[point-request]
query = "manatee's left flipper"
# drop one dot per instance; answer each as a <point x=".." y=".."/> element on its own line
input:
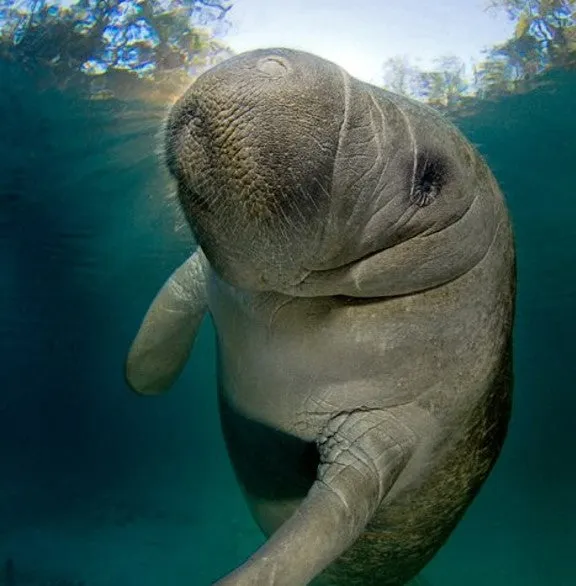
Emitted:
<point x="166" y="336"/>
<point x="362" y="454"/>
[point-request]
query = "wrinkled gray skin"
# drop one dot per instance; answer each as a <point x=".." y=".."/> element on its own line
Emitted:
<point x="357" y="260"/>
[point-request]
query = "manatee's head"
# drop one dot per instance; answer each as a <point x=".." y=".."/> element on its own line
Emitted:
<point x="296" y="177"/>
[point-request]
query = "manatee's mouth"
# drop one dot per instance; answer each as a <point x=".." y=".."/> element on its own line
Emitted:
<point x="322" y="282"/>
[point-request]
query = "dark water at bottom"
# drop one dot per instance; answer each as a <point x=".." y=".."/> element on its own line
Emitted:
<point x="105" y="488"/>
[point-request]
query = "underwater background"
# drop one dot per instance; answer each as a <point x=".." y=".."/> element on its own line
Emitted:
<point x="100" y="487"/>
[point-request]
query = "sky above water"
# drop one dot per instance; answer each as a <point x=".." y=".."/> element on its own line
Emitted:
<point x="361" y="34"/>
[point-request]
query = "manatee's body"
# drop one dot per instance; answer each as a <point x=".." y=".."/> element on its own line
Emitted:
<point x="358" y="263"/>
<point x="289" y="363"/>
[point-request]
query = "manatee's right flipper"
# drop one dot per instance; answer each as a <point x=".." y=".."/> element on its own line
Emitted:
<point x="362" y="453"/>
<point x="166" y="336"/>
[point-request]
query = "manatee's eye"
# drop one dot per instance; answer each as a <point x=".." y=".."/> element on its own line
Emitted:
<point x="429" y="179"/>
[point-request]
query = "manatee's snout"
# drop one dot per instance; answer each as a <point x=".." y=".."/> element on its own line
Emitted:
<point x="252" y="145"/>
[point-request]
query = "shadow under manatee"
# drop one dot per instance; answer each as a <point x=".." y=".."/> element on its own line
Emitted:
<point x="273" y="464"/>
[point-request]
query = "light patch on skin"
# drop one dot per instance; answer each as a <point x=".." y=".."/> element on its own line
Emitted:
<point x="379" y="131"/>
<point x="346" y="117"/>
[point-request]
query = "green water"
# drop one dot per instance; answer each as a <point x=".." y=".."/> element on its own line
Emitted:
<point x="100" y="486"/>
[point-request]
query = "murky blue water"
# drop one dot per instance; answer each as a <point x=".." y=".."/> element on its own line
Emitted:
<point x="102" y="487"/>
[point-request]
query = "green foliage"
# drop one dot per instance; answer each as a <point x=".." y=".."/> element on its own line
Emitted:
<point x="444" y="86"/>
<point x="548" y="22"/>
<point x="400" y="76"/>
<point x="544" y="38"/>
<point x="128" y="48"/>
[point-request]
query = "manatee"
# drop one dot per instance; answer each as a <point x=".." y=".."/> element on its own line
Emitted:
<point x="357" y="260"/>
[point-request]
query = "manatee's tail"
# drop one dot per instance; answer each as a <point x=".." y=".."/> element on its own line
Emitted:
<point x="166" y="336"/>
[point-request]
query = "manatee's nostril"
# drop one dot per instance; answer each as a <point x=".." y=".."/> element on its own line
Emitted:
<point x="273" y="66"/>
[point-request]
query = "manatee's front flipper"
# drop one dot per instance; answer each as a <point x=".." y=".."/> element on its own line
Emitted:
<point x="166" y="336"/>
<point x="361" y="455"/>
